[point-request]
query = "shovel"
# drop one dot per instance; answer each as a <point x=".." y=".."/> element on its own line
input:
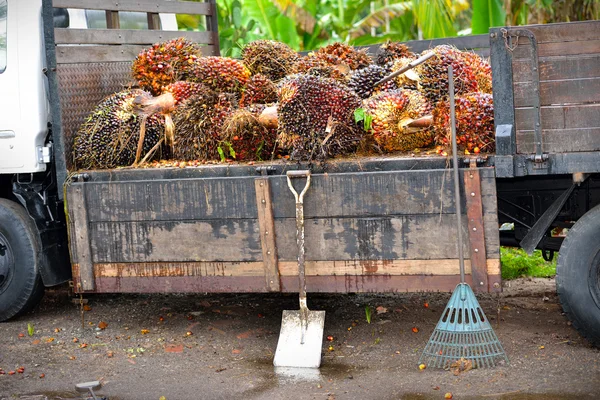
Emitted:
<point x="301" y="336"/>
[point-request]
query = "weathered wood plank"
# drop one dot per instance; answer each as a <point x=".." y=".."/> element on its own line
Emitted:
<point x="288" y="268"/>
<point x="266" y="225"/>
<point x="564" y="31"/>
<point x="79" y="234"/>
<point x="561" y="140"/>
<point x="559" y="68"/>
<point x="333" y="195"/>
<point x="560" y="117"/>
<point x="108" y="53"/>
<point x="489" y="201"/>
<point x="591" y="46"/>
<point x="574" y="91"/>
<point x="153" y="241"/>
<point x="157" y="6"/>
<point x="477" y="253"/>
<point x="126" y="36"/>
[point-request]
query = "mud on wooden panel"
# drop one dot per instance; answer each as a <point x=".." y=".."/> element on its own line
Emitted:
<point x="569" y="73"/>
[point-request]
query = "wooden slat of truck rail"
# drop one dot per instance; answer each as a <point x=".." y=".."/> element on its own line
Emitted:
<point x="125" y="36"/>
<point x="333" y="195"/>
<point x="560" y="117"/>
<point x="575" y="91"/>
<point x="405" y="237"/>
<point x="563" y="32"/>
<point x="93" y="54"/>
<point x="157" y="6"/>
<point x="79" y="234"/>
<point x="561" y="140"/>
<point x="590" y="46"/>
<point x="559" y="67"/>
<point x="290" y="268"/>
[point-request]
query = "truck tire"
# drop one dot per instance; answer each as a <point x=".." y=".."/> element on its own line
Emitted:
<point x="21" y="286"/>
<point x="578" y="275"/>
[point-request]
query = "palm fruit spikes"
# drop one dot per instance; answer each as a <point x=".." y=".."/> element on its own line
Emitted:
<point x="259" y="90"/>
<point x="434" y="73"/>
<point x="409" y="79"/>
<point x="474" y="123"/>
<point x="340" y="53"/>
<point x="244" y="138"/>
<point x="363" y="81"/>
<point x="164" y="63"/>
<point x="221" y="74"/>
<point x="198" y="126"/>
<point x="391" y="51"/>
<point x="318" y="67"/>
<point x="269" y="58"/>
<point x="391" y="113"/>
<point x="109" y="137"/>
<point x="316" y="117"/>
<point x="482" y="69"/>
<point x="183" y="90"/>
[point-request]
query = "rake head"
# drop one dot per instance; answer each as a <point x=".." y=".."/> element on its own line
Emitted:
<point x="463" y="332"/>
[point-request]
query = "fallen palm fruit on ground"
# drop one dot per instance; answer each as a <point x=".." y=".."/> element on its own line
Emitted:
<point x="275" y="101"/>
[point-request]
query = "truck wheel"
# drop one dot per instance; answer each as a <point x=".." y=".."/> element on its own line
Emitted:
<point x="21" y="287"/>
<point x="578" y="275"/>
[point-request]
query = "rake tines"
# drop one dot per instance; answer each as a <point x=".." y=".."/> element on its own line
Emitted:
<point x="463" y="332"/>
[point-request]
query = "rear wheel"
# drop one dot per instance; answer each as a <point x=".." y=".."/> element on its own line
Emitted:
<point x="21" y="287"/>
<point x="578" y="275"/>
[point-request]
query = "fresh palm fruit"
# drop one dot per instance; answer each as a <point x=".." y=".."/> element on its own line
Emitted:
<point x="391" y="112"/>
<point x="409" y="79"/>
<point x="183" y="90"/>
<point x="340" y="53"/>
<point x="269" y="58"/>
<point x="482" y="69"/>
<point x="363" y="81"/>
<point x="259" y="90"/>
<point x="221" y="74"/>
<point x="318" y="67"/>
<point x="198" y="126"/>
<point x="391" y="51"/>
<point x="164" y="63"/>
<point x="109" y="137"/>
<point x="434" y="73"/>
<point x="245" y="138"/>
<point x="316" y="117"/>
<point x="474" y="123"/>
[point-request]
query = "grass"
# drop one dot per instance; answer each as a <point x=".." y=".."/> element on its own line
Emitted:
<point x="517" y="264"/>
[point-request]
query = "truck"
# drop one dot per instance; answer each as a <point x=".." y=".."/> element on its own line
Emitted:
<point x="373" y="224"/>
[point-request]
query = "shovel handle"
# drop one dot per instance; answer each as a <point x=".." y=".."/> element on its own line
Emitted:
<point x="298" y="174"/>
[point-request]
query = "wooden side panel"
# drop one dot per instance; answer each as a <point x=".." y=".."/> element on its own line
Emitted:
<point x="81" y="254"/>
<point x="125" y="36"/>
<point x="159" y="6"/>
<point x="569" y="73"/>
<point x="266" y="224"/>
<point x="119" y="53"/>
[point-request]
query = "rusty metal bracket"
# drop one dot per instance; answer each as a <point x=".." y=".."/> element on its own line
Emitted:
<point x="266" y="224"/>
<point x="472" y="182"/>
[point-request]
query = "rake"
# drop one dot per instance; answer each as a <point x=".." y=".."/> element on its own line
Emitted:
<point x="463" y="332"/>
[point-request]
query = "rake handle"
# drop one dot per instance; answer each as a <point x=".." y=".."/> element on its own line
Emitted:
<point x="461" y="256"/>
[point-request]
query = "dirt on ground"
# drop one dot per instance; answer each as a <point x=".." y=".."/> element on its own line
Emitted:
<point x="222" y="347"/>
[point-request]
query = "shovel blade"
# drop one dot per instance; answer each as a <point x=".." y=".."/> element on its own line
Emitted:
<point x="290" y="351"/>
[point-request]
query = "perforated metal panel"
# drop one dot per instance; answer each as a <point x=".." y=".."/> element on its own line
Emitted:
<point x="82" y="87"/>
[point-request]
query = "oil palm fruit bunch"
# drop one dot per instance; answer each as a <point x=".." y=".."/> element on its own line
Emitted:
<point x="221" y="74"/>
<point x="316" y="117"/>
<point x="198" y="125"/>
<point x="434" y="73"/>
<point x="340" y="53"/>
<point x="482" y="69"/>
<point x="409" y="79"/>
<point x="259" y="90"/>
<point x="318" y="67"/>
<point x="363" y="81"/>
<point x="391" y="113"/>
<point x="474" y="123"/>
<point x="391" y="51"/>
<point x="164" y="63"/>
<point x="183" y="90"/>
<point x="269" y="58"/>
<point x="245" y="138"/>
<point x="109" y="136"/>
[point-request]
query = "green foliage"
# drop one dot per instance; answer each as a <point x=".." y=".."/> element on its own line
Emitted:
<point x="30" y="329"/>
<point x="361" y="115"/>
<point x="487" y="13"/>
<point x="516" y="263"/>
<point x="368" y="313"/>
